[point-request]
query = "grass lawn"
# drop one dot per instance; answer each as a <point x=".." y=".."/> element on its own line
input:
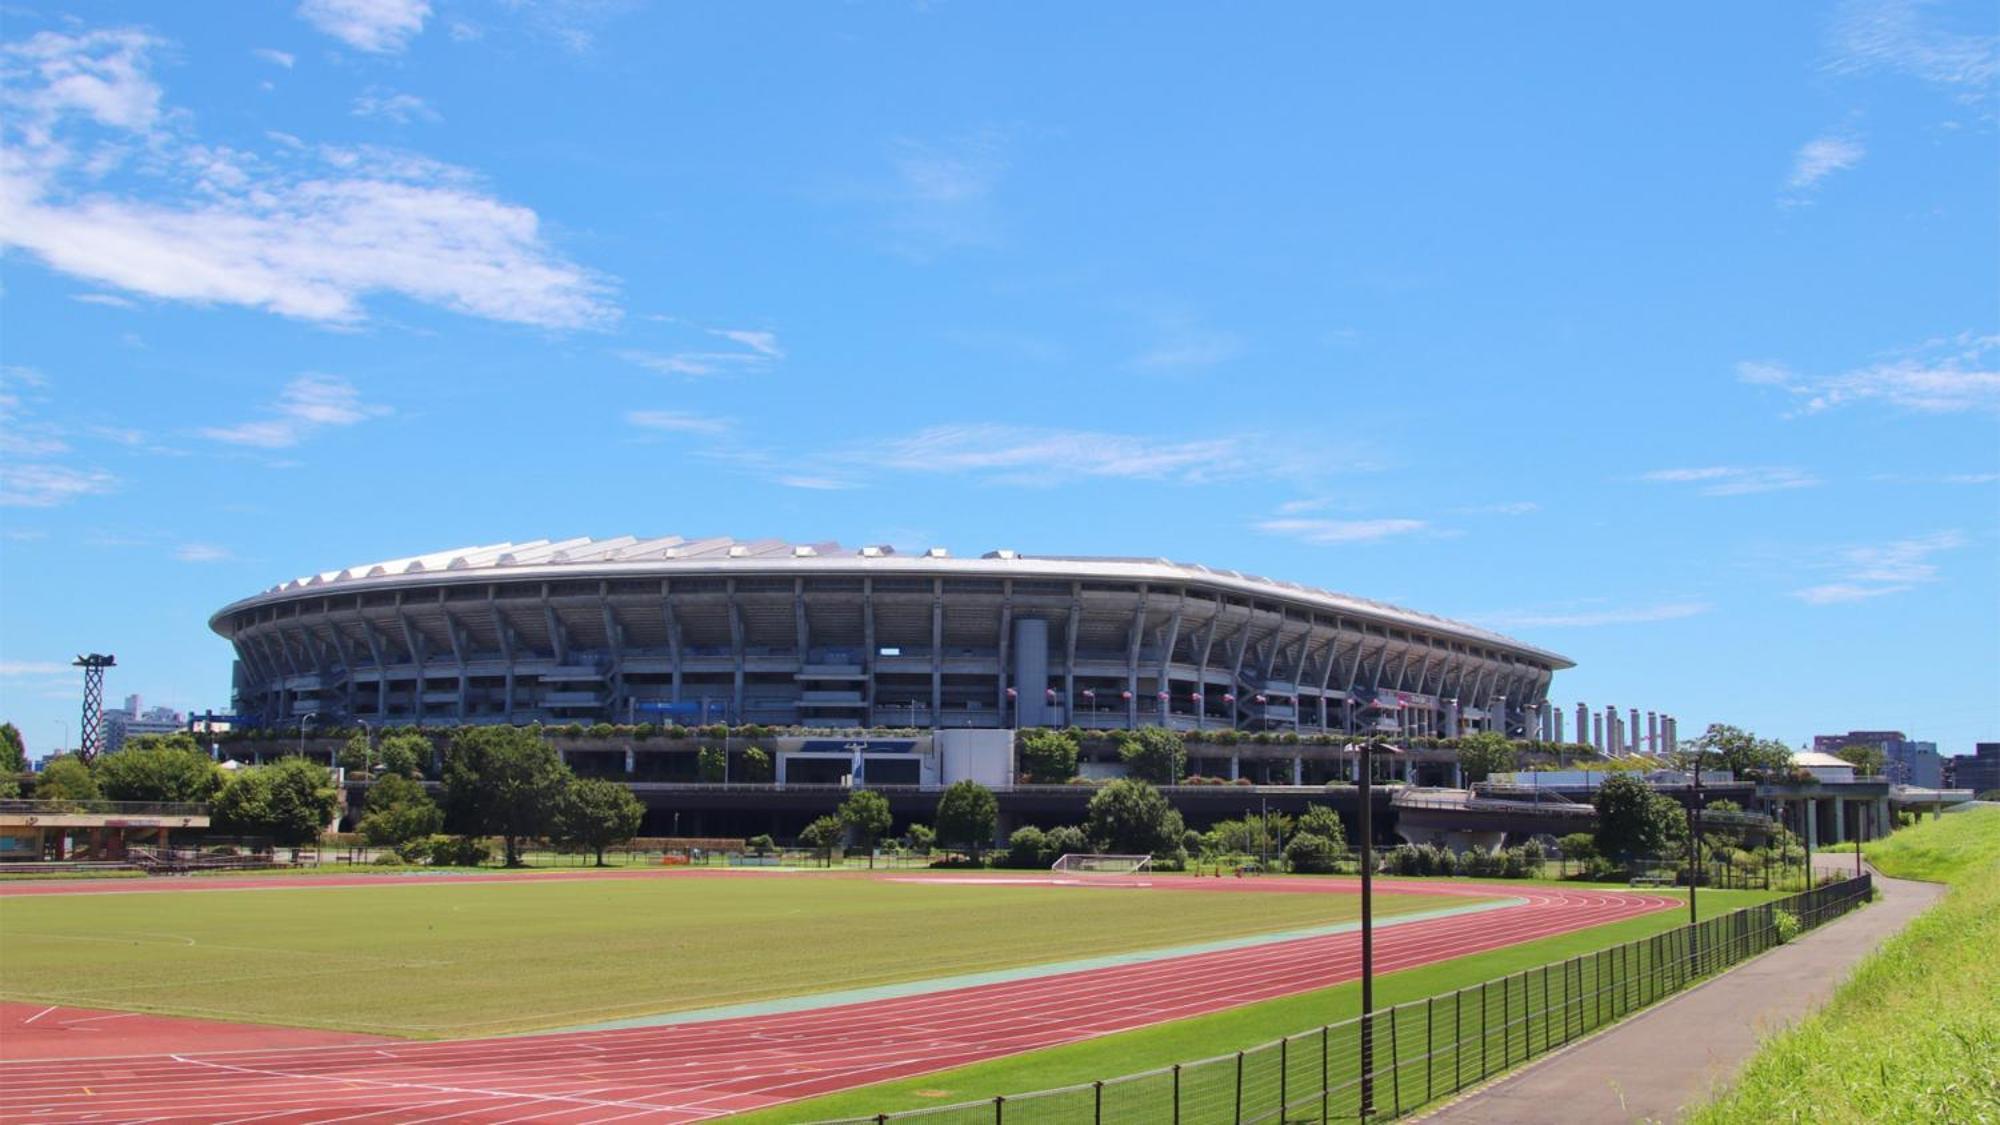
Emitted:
<point x="1223" y="1032"/>
<point x="439" y="959"/>
<point x="1914" y="1034"/>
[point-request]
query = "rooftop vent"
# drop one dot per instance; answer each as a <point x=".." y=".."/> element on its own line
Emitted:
<point x="936" y="553"/>
<point x="804" y="553"/>
<point x="1003" y="553"/>
<point x="877" y="552"/>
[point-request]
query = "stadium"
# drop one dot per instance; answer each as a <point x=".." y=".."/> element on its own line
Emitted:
<point x="672" y="630"/>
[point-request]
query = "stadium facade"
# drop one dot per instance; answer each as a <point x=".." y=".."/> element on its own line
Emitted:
<point x="671" y="630"/>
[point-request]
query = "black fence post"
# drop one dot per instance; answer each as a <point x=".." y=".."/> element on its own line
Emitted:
<point x="999" y="1109"/>
<point x="1483" y="1034"/>
<point x="1325" y="1083"/>
<point x="1097" y="1102"/>
<point x="1284" y="1076"/>
<point x="1506" y="1022"/>
<point x="1457" y="1040"/>
<point x="1430" y="1040"/>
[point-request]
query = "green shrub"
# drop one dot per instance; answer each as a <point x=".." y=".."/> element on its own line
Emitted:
<point x="388" y="859"/>
<point x="1786" y="923"/>
<point x="1026" y="847"/>
<point x="1309" y="853"/>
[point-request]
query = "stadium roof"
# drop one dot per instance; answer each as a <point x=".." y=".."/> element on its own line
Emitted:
<point x="669" y="555"/>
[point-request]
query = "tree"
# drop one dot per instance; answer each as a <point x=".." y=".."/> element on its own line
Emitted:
<point x="1130" y="817"/>
<point x="356" y="755"/>
<point x="1154" y="754"/>
<point x="1322" y="821"/>
<point x="756" y="765"/>
<point x="1048" y="756"/>
<point x="13" y="760"/>
<point x="1484" y="754"/>
<point x="169" y="767"/>
<point x="399" y="811"/>
<point x="502" y="781"/>
<point x="966" y="815"/>
<point x="1738" y="751"/>
<point x="1026" y="847"/>
<point x="594" y="814"/>
<point x="1868" y="761"/>
<point x="867" y="813"/>
<point x="291" y="801"/>
<point x="921" y="838"/>
<point x="1633" y="820"/>
<point x="823" y="835"/>
<point x="13" y="750"/>
<point x="405" y="752"/>
<point x="65" y="778"/>
<point x="1310" y="853"/>
<point x="711" y="764"/>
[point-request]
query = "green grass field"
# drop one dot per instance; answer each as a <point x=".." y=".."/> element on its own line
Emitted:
<point x="1914" y="1034"/>
<point x="1223" y="1032"/>
<point x="435" y="959"/>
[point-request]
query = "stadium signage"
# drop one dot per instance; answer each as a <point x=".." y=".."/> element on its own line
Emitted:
<point x="858" y="745"/>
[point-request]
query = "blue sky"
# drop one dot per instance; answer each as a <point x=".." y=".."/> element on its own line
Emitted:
<point x="1663" y="338"/>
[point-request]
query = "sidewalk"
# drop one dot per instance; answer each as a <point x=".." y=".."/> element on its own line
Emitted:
<point x="1672" y="1056"/>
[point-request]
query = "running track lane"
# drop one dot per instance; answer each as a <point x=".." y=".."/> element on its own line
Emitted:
<point x="690" y="1072"/>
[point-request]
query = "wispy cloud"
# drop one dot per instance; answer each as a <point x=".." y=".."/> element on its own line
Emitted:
<point x="1504" y="508"/>
<point x="376" y="26"/>
<point x="761" y="351"/>
<point x="108" y="300"/>
<point x="1893" y="35"/>
<point x="1590" y="618"/>
<point x="1878" y="569"/>
<point x="1325" y="532"/>
<point x="1952" y="376"/>
<point x="1734" y="480"/>
<point x="307" y="404"/>
<point x="12" y="669"/>
<point x="307" y="234"/>
<point x="202" y="553"/>
<point x="678" y="422"/>
<point x="274" y="56"/>
<point x="47" y="486"/>
<point x="393" y="106"/>
<point x="941" y="196"/>
<point x="1816" y="160"/>
<point x="1030" y="455"/>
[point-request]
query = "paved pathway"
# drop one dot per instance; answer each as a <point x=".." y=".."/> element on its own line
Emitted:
<point x="1671" y="1058"/>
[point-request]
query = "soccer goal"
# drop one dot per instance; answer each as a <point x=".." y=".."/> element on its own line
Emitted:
<point x="1094" y="863"/>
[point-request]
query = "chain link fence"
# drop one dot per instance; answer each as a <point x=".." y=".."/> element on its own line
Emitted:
<point x="1418" y="1052"/>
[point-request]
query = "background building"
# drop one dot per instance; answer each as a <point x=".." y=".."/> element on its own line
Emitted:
<point x="1908" y="762"/>
<point x="1978" y="771"/>
<point x="133" y="720"/>
<point x="678" y="631"/>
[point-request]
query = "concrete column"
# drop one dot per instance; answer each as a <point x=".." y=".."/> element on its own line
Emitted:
<point x="1556" y="723"/>
<point x="631" y="761"/>
<point x="1597" y="732"/>
<point x="1583" y="723"/>
<point x="1235" y="766"/>
<point x="1812" y="822"/>
<point x="1497" y="711"/>
<point x="1840" y="820"/>
<point x="1633" y="733"/>
<point x="1451" y="718"/>
<point x="1298" y="771"/>
<point x="1457" y="776"/>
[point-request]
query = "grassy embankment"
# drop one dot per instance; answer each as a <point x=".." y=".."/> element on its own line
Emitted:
<point x="423" y="957"/>
<point x="1914" y="1033"/>
<point x="1236" y="1029"/>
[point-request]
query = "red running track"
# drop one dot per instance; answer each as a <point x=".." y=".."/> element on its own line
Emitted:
<point x="690" y="1072"/>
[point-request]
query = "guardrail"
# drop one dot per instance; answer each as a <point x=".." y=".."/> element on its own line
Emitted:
<point x="1422" y="1051"/>
<point x="104" y="808"/>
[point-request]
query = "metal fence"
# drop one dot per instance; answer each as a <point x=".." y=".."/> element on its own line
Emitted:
<point x="1421" y="1051"/>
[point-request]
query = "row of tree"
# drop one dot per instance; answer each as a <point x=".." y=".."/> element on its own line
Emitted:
<point x="289" y="802"/>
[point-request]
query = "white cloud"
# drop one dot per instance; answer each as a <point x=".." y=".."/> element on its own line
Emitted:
<point x="1504" y="508"/>
<point x="941" y="196"/>
<point x="1731" y="480"/>
<point x="308" y="403"/>
<point x="108" y="300"/>
<point x="375" y="26"/>
<point x="1890" y="35"/>
<point x="1028" y="455"/>
<point x="1878" y="569"/>
<point x="1325" y="532"/>
<point x="274" y="56"/>
<point x="1970" y="478"/>
<point x="1819" y="158"/>
<point x="16" y="668"/>
<point x="763" y="343"/>
<point x="46" y="486"/>
<point x="816" y="484"/>
<point x="676" y="421"/>
<point x="1954" y="376"/>
<point x="201" y="552"/>
<point x="393" y="106"/>
<point x="1593" y="618"/>
<point x="303" y="238"/>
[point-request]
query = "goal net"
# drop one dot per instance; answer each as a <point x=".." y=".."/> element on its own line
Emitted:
<point x="1095" y="863"/>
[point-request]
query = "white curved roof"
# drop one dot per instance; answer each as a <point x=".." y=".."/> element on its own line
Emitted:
<point x="628" y="555"/>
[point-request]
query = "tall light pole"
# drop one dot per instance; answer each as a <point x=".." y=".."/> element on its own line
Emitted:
<point x="1366" y="752"/>
<point x="1694" y="848"/>
<point x="303" y="720"/>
